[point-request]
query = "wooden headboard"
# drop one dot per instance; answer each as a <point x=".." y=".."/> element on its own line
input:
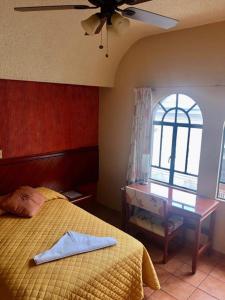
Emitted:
<point x="59" y="170"/>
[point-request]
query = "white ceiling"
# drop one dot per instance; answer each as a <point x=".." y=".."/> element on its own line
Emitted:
<point x="51" y="46"/>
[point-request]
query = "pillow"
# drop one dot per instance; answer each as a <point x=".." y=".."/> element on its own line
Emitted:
<point x="24" y="202"/>
<point x="49" y="194"/>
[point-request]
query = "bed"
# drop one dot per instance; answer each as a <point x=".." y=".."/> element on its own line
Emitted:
<point x="116" y="272"/>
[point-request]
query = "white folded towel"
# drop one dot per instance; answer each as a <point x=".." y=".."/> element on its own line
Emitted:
<point x="72" y="243"/>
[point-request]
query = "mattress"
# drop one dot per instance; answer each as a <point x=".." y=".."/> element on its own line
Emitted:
<point x="116" y="272"/>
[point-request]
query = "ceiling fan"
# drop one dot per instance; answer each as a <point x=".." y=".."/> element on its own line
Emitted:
<point x="110" y="14"/>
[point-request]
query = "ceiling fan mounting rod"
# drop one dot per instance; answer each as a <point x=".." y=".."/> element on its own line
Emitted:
<point x="107" y="9"/>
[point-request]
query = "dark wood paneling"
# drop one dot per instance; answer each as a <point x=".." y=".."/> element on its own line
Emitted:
<point x="59" y="170"/>
<point x="44" y="117"/>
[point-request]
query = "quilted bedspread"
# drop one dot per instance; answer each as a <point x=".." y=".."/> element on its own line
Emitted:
<point x="114" y="273"/>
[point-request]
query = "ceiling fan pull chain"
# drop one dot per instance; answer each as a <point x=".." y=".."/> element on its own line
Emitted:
<point x="101" y="44"/>
<point x="107" y="42"/>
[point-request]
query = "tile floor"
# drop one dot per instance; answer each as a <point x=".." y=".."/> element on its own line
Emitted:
<point x="175" y="278"/>
<point x="177" y="282"/>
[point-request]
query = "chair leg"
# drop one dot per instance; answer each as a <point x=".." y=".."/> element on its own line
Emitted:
<point x="165" y="252"/>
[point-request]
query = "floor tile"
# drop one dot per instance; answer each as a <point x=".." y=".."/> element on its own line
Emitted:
<point x="206" y="263"/>
<point x="163" y="275"/>
<point x="172" y="265"/>
<point x="218" y="272"/>
<point x="148" y="292"/>
<point x="177" y="288"/>
<point x="214" y="287"/>
<point x="200" y="295"/>
<point x="184" y="255"/>
<point x="184" y="273"/>
<point x="161" y="295"/>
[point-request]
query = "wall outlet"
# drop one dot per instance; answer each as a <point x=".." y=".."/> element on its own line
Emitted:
<point x="0" y="154"/>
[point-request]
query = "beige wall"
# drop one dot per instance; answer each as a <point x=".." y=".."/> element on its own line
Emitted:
<point x="192" y="59"/>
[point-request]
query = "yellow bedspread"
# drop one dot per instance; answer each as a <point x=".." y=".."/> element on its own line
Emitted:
<point x="115" y="273"/>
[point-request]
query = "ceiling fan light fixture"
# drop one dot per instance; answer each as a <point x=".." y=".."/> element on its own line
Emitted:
<point x="91" y="24"/>
<point x="120" y="24"/>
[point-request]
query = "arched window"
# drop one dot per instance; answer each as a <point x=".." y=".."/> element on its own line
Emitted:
<point x="176" y="147"/>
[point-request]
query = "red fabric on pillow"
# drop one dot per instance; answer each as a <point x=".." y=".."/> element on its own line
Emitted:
<point x="24" y="202"/>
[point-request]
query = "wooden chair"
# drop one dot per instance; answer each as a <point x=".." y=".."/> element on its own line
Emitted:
<point x="149" y="214"/>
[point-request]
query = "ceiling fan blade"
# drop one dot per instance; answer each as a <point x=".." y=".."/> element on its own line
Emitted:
<point x="99" y="28"/>
<point x="149" y="17"/>
<point x="96" y="2"/>
<point x="135" y="2"/>
<point x="53" y="7"/>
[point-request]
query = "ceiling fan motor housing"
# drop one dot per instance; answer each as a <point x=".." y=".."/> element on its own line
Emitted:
<point x="109" y="7"/>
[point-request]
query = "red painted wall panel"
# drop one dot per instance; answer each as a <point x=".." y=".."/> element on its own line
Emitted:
<point x="44" y="117"/>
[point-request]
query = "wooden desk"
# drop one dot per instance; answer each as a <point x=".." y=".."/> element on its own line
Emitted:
<point x="190" y="206"/>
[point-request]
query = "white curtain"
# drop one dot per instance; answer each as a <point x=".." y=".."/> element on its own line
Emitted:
<point x="139" y="158"/>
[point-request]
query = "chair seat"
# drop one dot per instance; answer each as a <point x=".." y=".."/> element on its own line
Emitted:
<point x="155" y="224"/>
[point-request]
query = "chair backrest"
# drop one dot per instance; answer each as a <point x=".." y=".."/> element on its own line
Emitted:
<point x="153" y="204"/>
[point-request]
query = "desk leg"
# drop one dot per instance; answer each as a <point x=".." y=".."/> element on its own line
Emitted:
<point x="196" y="246"/>
<point x="211" y="231"/>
